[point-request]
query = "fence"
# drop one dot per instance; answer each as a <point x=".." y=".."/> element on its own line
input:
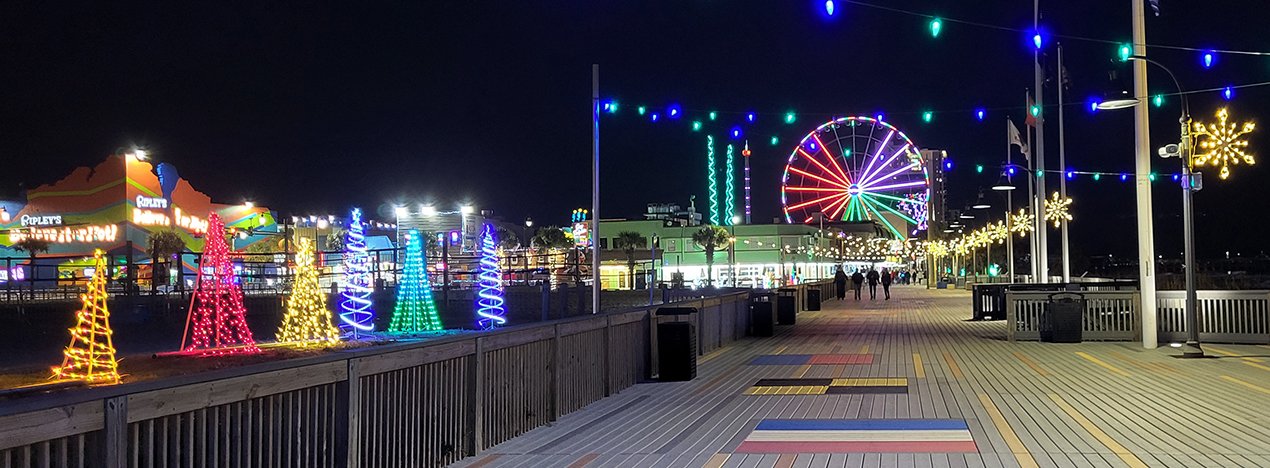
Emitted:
<point x="1224" y="316"/>
<point x="408" y="404"/>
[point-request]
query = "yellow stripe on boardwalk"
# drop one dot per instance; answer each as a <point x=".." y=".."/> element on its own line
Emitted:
<point x="1229" y="353"/>
<point x="802" y="371"/>
<point x="788" y="390"/>
<point x="716" y="461"/>
<point x="1125" y="455"/>
<point x="917" y="366"/>
<point x="952" y="365"/>
<point x="1100" y="362"/>
<point x="1020" y="451"/>
<point x="1246" y="384"/>
<point x="1259" y="366"/>
<point x="1032" y="364"/>
<point x="864" y="349"/>
<point x="870" y="382"/>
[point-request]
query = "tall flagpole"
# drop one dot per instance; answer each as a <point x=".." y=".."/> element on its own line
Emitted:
<point x="1009" y="204"/>
<point x="1031" y="200"/>
<point x="595" y="188"/>
<point x="1062" y="163"/>
<point x="1042" y="240"/>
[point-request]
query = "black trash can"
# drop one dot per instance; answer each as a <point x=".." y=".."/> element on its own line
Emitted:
<point x="762" y="314"/>
<point x="677" y="345"/>
<point x="1062" y="318"/>
<point x="786" y="306"/>
<point x="813" y="299"/>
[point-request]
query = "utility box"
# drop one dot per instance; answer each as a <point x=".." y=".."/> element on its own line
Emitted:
<point x="1062" y="318"/>
<point x="813" y="299"/>
<point x="762" y="314"/>
<point x="677" y="345"/>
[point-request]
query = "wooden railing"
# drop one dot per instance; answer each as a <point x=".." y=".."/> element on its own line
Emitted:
<point x="421" y="403"/>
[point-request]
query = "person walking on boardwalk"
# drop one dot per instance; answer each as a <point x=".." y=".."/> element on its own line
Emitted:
<point x="887" y="278"/>
<point x="873" y="283"/>
<point x="840" y="283"/>
<point x="857" y="280"/>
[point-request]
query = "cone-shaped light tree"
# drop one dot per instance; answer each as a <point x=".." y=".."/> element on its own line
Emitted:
<point x="415" y="311"/>
<point x="307" y="321"/>
<point x="90" y="356"/>
<point x="357" y="317"/>
<point x="489" y="299"/>
<point x="217" y="322"/>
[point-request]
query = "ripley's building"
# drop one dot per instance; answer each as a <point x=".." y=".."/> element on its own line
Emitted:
<point x="114" y="206"/>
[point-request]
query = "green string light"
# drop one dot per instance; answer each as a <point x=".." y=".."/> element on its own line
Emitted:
<point x="696" y="125"/>
<point x="790" y="117"/>
<point x="714" y="115"/>
<point x="979" y="168"/>
<point x="729" y="194"/>
<point x="1036" y="110"/>
<point x="1125" y="52"/>
<point x="1040" y="173"/>
<point x="928" y="116"/>
<point x="775" y="141"/>
<point x="936" y="25"/>
<point x="1097" y="176"/>
<point x="713" y="187"/>
<point x="642" y="110"/>
<point x="1158" y="100"/>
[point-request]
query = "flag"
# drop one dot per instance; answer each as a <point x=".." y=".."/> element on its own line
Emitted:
<point x="1012" y="134"/>
<point x="1031" y="119"/>
<point x="1064" y="78"/>
<point x="1155" y="6"/>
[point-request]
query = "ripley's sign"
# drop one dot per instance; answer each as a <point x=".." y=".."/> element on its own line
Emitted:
<point x="43" y="220"/>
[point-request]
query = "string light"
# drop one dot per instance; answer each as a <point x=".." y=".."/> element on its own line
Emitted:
<point x="829" y="7"/>
<point x="696" y="125"/>
<point x="1158" y="100"/>
<point x="489" y="300"/>
<point x="927" y="116"/>
<point x="713" y="184"/>
<point x="1224" y="144"/>
<point x="1208" y="58"/>
<point x="415" y="311"/>
<point x="980" y="114"/>
<point x="1228" y="93"/>
<point x="775" y="140"/>
<point x="1125" y="51"/>
<point x="790" y="117"/>
<point x="307" y="320"/>
<point x="729" y="192"/>
<point x="936" y="26"/>
<point x="1058" y="210"/>
<point x="641" y="110"/>
<point x="90" y="356"/>
<point x="358" y="315"/>
<point x="218" y="321"/>
<point x="736" y="133"/>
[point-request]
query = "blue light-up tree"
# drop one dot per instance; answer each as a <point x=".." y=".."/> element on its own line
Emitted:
<point x="489" y="299"/>
<point x="416" y="311"/>
<point x="357" y="317"/>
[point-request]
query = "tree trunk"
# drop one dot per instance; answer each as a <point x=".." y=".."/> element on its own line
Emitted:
<point x="709" y="266"/>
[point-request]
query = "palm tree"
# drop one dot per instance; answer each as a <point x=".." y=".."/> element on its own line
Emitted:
<point x="32" y="246"/>
<point x="550" y="237"/>
<point x="628" y="241"/>
<point x="162" y="246"/>
<point x="711" y="237"/>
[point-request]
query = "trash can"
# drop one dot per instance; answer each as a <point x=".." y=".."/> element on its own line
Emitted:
<point x="786" y="306"/>
<point x="762" y="314"/>
<point x="813" y="298"/>
<point x="1062" y="318"/>
<point x="677" y="345"/>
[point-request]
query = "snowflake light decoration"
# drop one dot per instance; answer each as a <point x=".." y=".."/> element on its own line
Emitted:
<point x="1058" y="210"/>
<point x="1224" y="144"/>
<point x="1021" y="223"/>
<point x="914" y="205"/>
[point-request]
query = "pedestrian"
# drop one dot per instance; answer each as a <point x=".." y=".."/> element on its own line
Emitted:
<point x="857" y="280"/>
<point x="873" y="283"/>
<point x="886" y="283"/>
<point x="840" y="283"/>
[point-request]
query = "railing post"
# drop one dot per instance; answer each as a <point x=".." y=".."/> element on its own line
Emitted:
<point x="1137" y="315"/>
<point x="116" y="432"/>
<point x="556" y="360"/>
<point x="608" y="355"/>
<point x="476" y="384"/>
<point x="348" y="441"/>
<point x="1011" y="317"/>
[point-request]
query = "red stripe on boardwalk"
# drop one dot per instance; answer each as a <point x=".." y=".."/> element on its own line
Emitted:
<point x="840" y="359"/>
<point x="485" y="460"/>
<point x="847" y="447"/>
<point x="581" y="462"/>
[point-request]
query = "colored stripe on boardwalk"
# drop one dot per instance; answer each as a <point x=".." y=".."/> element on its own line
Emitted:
<point x="811" y="359"/>
<point x="861" y="425"/>
<point x="1246" y="384"/>
<point x="952" y="366"/>
<point x="1020" y="451"/>
<point x="870" y="447"/>
<point x="716" y="461"/>
<point x="1103" y="364"/>
<point x="917" y="366"/>
<point x="1125" y="455"/>
<point x="581" y="462"/>
<point x="1031" y="364"/>
<point x="859" y="435"/>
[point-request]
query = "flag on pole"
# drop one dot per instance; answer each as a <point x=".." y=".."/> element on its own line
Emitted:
<point x="1155" y="6"/>
<point x="1012" y="134"/>
<point x="1031" y="118"/>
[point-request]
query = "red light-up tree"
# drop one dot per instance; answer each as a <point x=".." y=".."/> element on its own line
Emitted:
<point x="217" y="321"/>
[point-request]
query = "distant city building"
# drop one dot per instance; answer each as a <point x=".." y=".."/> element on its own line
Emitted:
<point x="672" y="213"/>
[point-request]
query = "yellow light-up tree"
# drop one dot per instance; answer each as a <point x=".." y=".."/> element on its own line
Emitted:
<point x="1058" y="210"/>
<point x="1224" y="144"/>
<point x="90" y="356"/>
<point x="308" y="321"/>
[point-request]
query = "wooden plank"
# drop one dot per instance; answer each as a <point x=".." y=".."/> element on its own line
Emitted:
<point x="580" y="326"/>
<point x="116" y="429"/>
<point x="36" y="426"/>
<point x="500" y="340"/>
<point x="386" y="362"/>
<point x="169" y="401"/>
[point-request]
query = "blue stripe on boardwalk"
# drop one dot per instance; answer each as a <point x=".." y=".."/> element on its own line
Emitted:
<point x="859" y="424"/>
<point x="781" y="360"/>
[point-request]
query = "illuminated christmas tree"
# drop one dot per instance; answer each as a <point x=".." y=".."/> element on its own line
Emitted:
<point x="356" y="316"/>
<point x="307" y="321"/>
<point x="415" y="310"/>
<point x="91" y="355"/>
<point x="489" y="300"/>
<point x="217" y="322"/>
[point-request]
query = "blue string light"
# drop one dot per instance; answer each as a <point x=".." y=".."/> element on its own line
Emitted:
<point x="357" y="314"/>
<point x="1228" y="93"/>
<point x="980" y="114"/>
<point x="1208" y="58"/>
<point x="829" y="7"/>
<point x="489" y="299"/>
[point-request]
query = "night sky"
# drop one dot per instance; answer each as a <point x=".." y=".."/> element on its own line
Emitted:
<point x="315" y="109"/>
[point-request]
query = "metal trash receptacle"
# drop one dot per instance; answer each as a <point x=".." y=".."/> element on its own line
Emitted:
<point x="813" y="299"/>
<point x="677" y="345"/>
<point x="762" y="314"/>
<point x="1062" y="318"/>
<point x="786" y="306"/>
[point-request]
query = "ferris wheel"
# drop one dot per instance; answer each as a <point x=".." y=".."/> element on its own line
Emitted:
<point x="856" y="169"/>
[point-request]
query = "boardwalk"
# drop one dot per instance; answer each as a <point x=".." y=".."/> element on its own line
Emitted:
<point x="909" y="382"/>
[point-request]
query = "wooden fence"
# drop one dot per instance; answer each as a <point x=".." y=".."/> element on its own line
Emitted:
<point x="426" y="403"/>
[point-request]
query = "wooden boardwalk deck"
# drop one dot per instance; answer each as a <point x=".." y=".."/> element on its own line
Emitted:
<point x="1024" y="404"/>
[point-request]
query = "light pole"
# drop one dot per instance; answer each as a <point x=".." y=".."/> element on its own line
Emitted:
<point x="732" y="249"/>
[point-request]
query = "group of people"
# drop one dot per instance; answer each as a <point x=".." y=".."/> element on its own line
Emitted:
<point x="859" y="277"/>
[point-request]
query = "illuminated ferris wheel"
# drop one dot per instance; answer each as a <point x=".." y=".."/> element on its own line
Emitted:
<point x="856" y="169"/>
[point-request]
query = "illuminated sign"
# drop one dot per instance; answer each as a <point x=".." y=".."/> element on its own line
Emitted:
<point x="156" y="218"/>
<point x="46" y="220"/>
<point x="151" y="202"/>
<point x="15" y="274"/>
<point x="70" y="234"/>
<point x="581" y="234"/>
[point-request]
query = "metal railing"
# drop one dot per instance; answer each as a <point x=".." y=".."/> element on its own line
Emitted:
<point x="421" y="403"/>
<point x="1224" y="316"/>
<point x="1109" y="315"/>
